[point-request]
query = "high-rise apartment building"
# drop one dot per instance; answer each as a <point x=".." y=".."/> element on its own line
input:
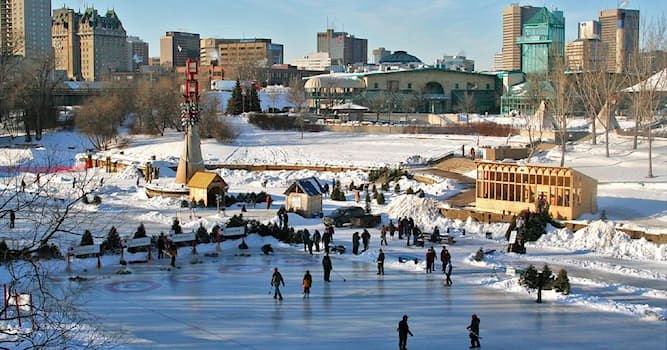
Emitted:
<point x="588" y="52"/>
<point x="379" y="54"/>
<point x="342" y="47"/>
<point x="542" y="41"/>
<point x="620" y="31"/>
<point x="514" y="17"/>
<point x="25" y="27"/>
<point x="137" y="53"/>
<point x="177" y="47"/>
<point x="87" y="45"/>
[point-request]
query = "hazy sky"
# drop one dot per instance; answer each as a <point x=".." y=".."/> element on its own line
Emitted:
<point x="425" y="28"/>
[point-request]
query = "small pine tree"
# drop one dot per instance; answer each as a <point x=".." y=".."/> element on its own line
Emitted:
<point x="87" y="238"/>
<point x="368" y="202"/>
<point x="235" y="103"/>
<point x="374" y="189"/>
<point x="254" y="101"/>
<point x="385" y="187"/>
<point x="380" y="198"/>
<point x="421" y="193"/>
<point x="97" y="200"/>
<point x="397" y="188"/>
<point x="85" y="199"/>
<point x="352" y="185"/>
<point x="529" y="277"/>
<point x="176" y="227"/>
<point x="562" y="282"/>
<point x="479" y="256"/>
<point x="202" y="234"/>
<point x="547" y="275"/>
<point x="112" y="242"/>
<point x="409" y="191"/>
<point x="337" y="194"/>
<point x="141" y="231"/>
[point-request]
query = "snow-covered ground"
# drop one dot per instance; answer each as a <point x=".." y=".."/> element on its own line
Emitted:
<point x="618" y="300"/>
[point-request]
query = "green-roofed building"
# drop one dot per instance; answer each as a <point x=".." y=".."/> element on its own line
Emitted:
<point x="542" y="41"/>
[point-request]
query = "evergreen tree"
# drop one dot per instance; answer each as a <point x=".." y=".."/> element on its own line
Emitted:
<point x="409" y="191"/>
<point x="202" y="234"/>
<point x="141" y="231"/>
<point x="397" y="188"/>
<point x="385" y="187"/>
<point x="547" y="275"/>
<point x="235" y="103"/>
<point x="368" y="202"/>
<point x="176" y="227"/>
<point x="562" y="282"/>
<point x="87" y="238"/>
<point x="374" y="189"/>
<point x="421" y="193"/>
<point x="337" y="194"/>
<point x="112" y="242"/>
<point x="479" y="256"/>
<point x="529" y="277"/>
<point x="352" y="185"/>
<point x="254" y="102"/>
<point x="380" y="198"/>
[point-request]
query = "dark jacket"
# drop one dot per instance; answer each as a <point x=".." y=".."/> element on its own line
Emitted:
<point x="326" y="263"/>
<point x="381" y="258"/>
<point x="474" y="326"/>
<point x="277" y="279"/>
<point x="403" y="328"/>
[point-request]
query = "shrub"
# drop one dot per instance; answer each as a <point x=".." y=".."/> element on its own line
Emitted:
<point x="409" y="191"/>
<point x="337" y="194"/>
<point x="176" y="227"/>
<point x="141" y="231"/>
<point x="479" y="256"/>
<point x="397" y="188"/>
<point x="201" y="204"/>
<point x="97" y="200"/>
<point x="202" y="234"/>
<point x="562" y="282"/>
<point x="184" y="203"/>
<point x="218" y="128"/>
<point x="385" y="173"/>
<point x="112" y="242"/>
<point x="85" y="199"/>
<point x="421" y="193"/>
<point x="385" y="187"/>
<point x="529" y="277"/>
<point x="87" y="238"/>
<point x="380" y="198"/>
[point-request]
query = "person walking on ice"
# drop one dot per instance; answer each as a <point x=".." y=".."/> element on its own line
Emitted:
<point x="327" y="266"/>
<point x="276" y="281"/>
<point x="380" y="261"/>
<point x="474" y="332"/>
<point x="403" y="331"/>
<point x="307" y="282"/>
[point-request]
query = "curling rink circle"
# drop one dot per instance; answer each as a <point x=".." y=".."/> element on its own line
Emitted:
<point x="132" y="286"/>
<point x="189" y="277"/>
<point x="241" y="269"/>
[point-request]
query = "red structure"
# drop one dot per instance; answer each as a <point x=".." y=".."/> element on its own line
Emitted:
<point x="190" y="109"/>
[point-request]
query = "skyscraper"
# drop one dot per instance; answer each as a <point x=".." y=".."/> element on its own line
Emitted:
<point x="588" y="52"/>
<point x="87" y="45"/>
<point x="342" y="47"/>
<point x="514" y="17"/>
<point x="620" y="31"/>
<point x="379" y="54"/>
<point x="25" y="27"/>
<point x="177" y="47"/>
<point x="137" y="53"/>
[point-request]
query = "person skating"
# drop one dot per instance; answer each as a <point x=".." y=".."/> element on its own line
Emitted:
<point x="365" y="238"/>
<point x="316" y="240"/>
<point x="276" y="281"/>
<point x="307" y="282"/>
<point x="380" y="261"/>
<point x="383" y="235"/>
<point x="327" y="266"/>
<point x="173" y="252"/>
<point x="403" y="331"/>
<point x="391" y="229"/>
<point x="269" y="200"/>
<point x="305" y="236"/>
<point x="326" y="239"/>
<point x="474" y="332"/>
<point x="160" y="246"/>
<point x="445" y="258"/>
<point x="430" y="260"/>
<point x="12" y="218"/>
<point x="448" y="274"/>
<point x="355" y="243"/>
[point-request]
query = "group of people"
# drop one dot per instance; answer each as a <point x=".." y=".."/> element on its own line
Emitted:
<point x="166" y="247"/>
<point x="403" y="330"/>
<point x="365" y="238"/>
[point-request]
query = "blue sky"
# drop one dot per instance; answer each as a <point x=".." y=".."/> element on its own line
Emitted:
<point x="425" y="28"/>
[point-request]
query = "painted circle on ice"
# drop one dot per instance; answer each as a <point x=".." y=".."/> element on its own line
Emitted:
<point x="243" y="269"/>
<point x="189" y="277"/>
<point x="294" y="261"/>
<point x="132" y="286"/>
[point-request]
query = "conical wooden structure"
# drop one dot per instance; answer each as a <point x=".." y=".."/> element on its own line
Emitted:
<point x="191" y="160"/>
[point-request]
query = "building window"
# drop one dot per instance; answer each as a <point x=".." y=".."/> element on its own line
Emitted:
<point x="409" y="85"/>
<point x="375" y="85"/>
<point x="456" y="86"/>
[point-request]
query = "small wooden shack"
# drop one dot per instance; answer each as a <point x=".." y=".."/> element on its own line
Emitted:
<point x="205" y="186"/>
<point x="304" y="197"/>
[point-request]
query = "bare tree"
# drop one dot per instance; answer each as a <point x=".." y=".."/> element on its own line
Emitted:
<point x="212" y="123"/>
<point x="296" y="94"/>
<point x="157" y="105"/>
<point x="99" y="119"/>
<point x="40" y="113"/>
<point x="561" y="100"/>
<point x="536" y="92"/>
<point x="466" y="104"/>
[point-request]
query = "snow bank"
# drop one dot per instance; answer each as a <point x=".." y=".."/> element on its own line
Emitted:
<point x="425" y="211"/>
<point x="604" y="239"/>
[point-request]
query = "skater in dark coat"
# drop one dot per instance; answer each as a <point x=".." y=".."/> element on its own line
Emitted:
<point x="380" y="261"/>
<point x="365" y="238"/>
<point x="448" y="274"/>
<point x="173" y="252"/>
<point x="474" y="332"/>
<point x="12" y="218"/>
<point x="326" y="239"/>
<point x="276" y="281"/>
<point x="316" y="240"/>
<point x="355" y="243"/>
<point x="403" y="331"/>
<point x="160" y="246"/>
<point x="326" y="265"/>
<point x="391" y="229"/>
<point x="430" y="260"/>
<point x="445" y="258"/>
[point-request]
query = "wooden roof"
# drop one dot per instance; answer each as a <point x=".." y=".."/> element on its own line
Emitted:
<point x="310" y="186"/>
<point x="203" y="179"/>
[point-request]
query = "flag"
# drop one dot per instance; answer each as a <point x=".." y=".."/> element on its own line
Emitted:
<point x="340" y="38"/>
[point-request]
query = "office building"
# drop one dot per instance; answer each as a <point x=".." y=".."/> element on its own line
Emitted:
<point x="542" y="41"/>
<point x="342" y="47"/>
<point x="235" y="52"/>
<point x="319" y="61"/>
<point x="87" y="45"/>
<point x="379" y="54"/>
<point x="25" y="27"/>
<point x="460" y="63"/>
<point x="620" y="31"/>
<point x="208" y="51"/>
<point x="514" y="17"/>
<point x="177" y="47"/>
<point x="137" y="53"/>
<point x="586" y="55"/>
<point x="589" y="30"/>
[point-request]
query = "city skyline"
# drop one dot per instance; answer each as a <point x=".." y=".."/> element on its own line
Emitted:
<point x="435" y="28"/>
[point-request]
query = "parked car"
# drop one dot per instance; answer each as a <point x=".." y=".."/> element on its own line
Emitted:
<point x="355" y="216"/>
